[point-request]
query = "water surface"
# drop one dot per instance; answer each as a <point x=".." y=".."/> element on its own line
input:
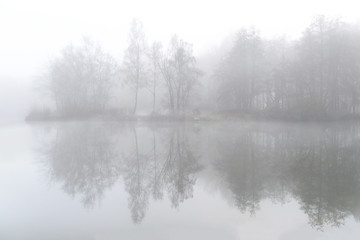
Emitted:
<point x="231" y="180"/>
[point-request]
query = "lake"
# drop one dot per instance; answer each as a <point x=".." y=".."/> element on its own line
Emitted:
<point x="216" y="180"/>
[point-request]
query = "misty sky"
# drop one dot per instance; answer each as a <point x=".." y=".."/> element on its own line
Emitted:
<point x="32" y="32"/>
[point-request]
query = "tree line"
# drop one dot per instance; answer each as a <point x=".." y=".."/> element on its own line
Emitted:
<point x="81" y="81"/>
<point x="316" y="76"/>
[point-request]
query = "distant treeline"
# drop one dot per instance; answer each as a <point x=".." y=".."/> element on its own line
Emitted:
<point x="314" y="77"/>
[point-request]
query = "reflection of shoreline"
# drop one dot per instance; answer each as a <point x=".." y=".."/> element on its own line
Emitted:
<point x="87" y="159"/>
<point x="83" y="158"/>
<point x="317" y="167"/>
<point x="170" y="167"/>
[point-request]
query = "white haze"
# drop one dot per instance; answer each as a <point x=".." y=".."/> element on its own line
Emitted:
<point x="33" y="32"/>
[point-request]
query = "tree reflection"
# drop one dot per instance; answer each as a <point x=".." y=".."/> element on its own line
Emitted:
<point x="321" y="169"/>
<point x="327" y="178"/>
<point x="82" y="157"/>
<point x="180" y="168"/>
<point x="171" y="168"/>
<point x="241" y="169"/>
<point x="136" y="178"/>
<point x="88" y="158"/>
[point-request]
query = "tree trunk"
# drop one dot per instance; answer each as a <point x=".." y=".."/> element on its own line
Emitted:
<point x="136" y="98"/>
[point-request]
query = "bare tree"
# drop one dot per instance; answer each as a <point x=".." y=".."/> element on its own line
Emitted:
<point x="154" y="55"/>
<point x="134" y="65"/>
<point x="80" y="80"/>
<point x="180" y="74"/>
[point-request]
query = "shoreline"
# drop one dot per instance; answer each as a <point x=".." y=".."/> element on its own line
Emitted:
<point x="198" y="118"/>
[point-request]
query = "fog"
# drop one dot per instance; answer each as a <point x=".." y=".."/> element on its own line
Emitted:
<point x="179" y="119"/>
<point x="33" y="33"/>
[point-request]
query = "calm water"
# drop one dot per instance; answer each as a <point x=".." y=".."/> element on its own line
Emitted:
<point x="91" y="180"/>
